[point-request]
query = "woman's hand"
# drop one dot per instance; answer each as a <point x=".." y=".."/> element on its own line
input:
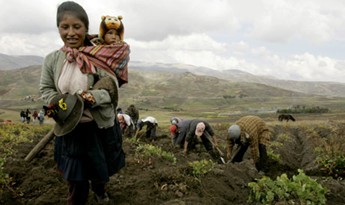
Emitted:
<point x="87" y="97"/>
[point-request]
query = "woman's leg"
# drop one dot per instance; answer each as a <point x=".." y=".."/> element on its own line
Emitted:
<point x="99" y="189"/>
<point x="77" y="192"/>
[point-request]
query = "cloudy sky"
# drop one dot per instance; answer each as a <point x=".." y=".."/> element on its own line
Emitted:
<point x="287" y="39"/>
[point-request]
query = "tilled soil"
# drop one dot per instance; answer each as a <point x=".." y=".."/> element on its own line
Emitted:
<point x="157" y="181"/>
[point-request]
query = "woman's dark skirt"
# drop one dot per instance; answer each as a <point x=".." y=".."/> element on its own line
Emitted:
<point x="90" y="153"/>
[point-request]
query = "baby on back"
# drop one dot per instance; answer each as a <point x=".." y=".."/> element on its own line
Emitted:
<point x="111" y="31"/>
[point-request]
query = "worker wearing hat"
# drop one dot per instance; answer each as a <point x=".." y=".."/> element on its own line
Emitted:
<point x="249" y="131"/>
<point x="174" y="128"/>
<point x="201" y="132"/>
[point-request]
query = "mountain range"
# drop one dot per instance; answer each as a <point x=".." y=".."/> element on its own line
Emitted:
<point x="334" y="89"/>
<point x="20" y="77"/>
<point x="8" y="62"/>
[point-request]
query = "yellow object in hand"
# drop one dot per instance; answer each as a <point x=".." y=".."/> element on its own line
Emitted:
<point x="62" y="104"/>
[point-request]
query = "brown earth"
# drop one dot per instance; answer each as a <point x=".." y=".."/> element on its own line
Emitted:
<point x="157" y="181"/>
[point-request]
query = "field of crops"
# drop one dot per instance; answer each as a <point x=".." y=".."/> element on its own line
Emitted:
<point x="307" y="167"/>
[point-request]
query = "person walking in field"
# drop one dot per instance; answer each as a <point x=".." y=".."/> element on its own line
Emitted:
<point x="22" y="116"/>
<point x="34" y="116"/>
<point x="81" y="92"/>
<point x="249" y="131"/>
<point x="27" y="116"/>
<point x="41" y="117"/>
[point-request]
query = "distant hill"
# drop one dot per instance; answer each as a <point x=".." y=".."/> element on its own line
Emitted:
<point x="314" y="88"/>
<point x="171" y="77"/>
<point x="25" y="81"/>
<point x="175" y="88"/>
<point x="8" y="62"/>
<point x="311" y="88"/>
<point x="187" y="84"/>
<point x="19" y="83"/>
<point x="175" y="82"/>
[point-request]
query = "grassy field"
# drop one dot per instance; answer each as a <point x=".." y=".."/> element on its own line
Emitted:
<point x="215" y="109"/>
<point x="213" y="115"/>
<point x="222" y="110"/>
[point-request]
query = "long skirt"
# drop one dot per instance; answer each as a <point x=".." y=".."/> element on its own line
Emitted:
<point x="90" y="153"/>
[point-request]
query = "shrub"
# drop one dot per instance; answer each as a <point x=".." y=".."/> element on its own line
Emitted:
<point x="301" y="189"/>
<point x="304" y="109"/>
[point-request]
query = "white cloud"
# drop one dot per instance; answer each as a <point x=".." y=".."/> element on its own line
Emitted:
<point x="310" y="67"/>
<point x="218" y="56"/>
<point x="289" y="39"/>
<point x="30" y="44"/>
<point x="283" y="20"/>
<point x="195" y="49"/>
<point x="33" y="17"/>
<point x="149" y="20"/>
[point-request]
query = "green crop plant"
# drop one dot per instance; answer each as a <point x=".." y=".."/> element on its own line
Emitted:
<point x="282" y="137"/>
<point x="271" y="154"/>
<point x="272" y="149"/>
<point x="131" y="140"/>
<point x="300" y="189"/>
<point x="202" y="167"/>
<point x="4" y="178"/>
<point x="331" y="156"/>
<point x="332" y="165"/>
<point x="12" y="135"/>
<point x="147" y="150"/>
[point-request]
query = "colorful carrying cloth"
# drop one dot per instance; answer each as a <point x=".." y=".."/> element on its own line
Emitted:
<point x="111" y="58"/>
